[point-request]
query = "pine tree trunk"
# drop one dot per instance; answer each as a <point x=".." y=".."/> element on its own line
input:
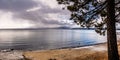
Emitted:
<point x="111" y="31"/>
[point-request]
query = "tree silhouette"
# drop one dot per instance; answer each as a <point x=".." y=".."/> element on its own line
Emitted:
<point x="100" y="14"/>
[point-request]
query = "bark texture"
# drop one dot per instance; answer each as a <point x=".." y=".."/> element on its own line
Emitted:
<point x="111" y="31"/>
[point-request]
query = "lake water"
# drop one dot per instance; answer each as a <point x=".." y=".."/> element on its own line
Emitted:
<point x="48" y="38"/>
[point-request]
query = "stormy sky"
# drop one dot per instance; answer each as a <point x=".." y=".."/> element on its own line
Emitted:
<point x="33" y="14"/>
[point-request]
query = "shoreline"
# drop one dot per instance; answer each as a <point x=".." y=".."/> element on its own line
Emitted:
<point x="81" y="46"/>
<point x="11" y="54"/>
<point x="86" y="50"/>
<point x="11" y="49"/>
<point x="91" y="52"/>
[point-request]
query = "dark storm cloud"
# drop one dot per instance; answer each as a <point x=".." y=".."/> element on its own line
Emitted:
<point x="41" y="15"/>
<point x="16" y="5"/>
<point x="19" y="9"/>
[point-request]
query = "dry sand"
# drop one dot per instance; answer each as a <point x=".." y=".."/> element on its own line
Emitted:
<point x="96" y="52"/>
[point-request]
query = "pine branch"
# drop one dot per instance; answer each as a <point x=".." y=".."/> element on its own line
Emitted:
<point x="97" y="12"/>
<point x="97" y="8"/>
<point x="117" y="3"/>
<point x="81" y="5"/>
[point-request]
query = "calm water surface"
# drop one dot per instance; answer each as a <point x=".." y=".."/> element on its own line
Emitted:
<point x="47" y="38"/>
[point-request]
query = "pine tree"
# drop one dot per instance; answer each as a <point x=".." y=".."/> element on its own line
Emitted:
<point x="100" y="14"/>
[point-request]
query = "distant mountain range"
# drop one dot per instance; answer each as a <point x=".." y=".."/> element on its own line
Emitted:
<point x="75" y="28"/>
<point x="49" y="28"/>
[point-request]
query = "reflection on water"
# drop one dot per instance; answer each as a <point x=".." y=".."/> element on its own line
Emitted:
<point x="47" y="39"/>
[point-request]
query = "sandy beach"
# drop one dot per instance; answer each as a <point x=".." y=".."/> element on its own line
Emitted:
<point x="96" y="52"/>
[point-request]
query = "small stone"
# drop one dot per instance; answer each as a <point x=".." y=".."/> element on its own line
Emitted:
<point x="52" y="59"/>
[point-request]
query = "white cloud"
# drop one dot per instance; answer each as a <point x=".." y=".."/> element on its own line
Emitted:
<point x="33" y="9"/>
<point x="40" y="14"/>
<point x="7" y="21"/>
<point x="50" y="3"/>
<point x="54" y="16"/>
